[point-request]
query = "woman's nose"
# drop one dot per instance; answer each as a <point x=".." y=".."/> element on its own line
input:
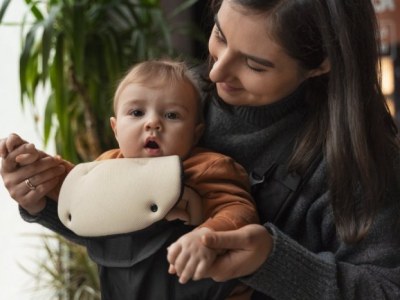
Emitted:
<point x="223" y="67"/>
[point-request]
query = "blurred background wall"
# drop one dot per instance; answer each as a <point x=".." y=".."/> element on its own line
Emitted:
<point x="18" y="244"/>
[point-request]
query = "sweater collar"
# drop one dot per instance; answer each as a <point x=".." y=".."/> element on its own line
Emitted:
<point x="268" y="114"/>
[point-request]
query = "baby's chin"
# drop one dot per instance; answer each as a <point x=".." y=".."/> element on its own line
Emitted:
<point x="143" y="153"/>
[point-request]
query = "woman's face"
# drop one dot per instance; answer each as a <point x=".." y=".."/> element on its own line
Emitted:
<point x="250" y="68"/>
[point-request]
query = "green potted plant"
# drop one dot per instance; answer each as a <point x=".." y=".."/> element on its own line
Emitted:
<point x="80" y="49"/>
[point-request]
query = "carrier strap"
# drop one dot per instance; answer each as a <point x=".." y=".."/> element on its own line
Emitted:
<point x="289" y="187"/>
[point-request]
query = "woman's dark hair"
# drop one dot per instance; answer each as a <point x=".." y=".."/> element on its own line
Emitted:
<point x="348" y="119"/>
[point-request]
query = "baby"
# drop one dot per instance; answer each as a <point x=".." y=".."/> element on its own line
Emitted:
<point x="158" y="112"/>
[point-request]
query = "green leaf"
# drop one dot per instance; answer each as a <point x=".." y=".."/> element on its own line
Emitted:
<point x="111" y="54"/>
<point x="33" y="75"/>
<point x="150" y="3"/>
<point x="48" y="119"/>
<point x="25" y="60"/>
<point x="78" y="40"/>
<point x="47" y="36"/>
<point x="3" y="8"/>
<point x="58" y="84"/>
<point x="160" y="23"/>
<point x="182" y="7"/>
<point x="35" y="11"/>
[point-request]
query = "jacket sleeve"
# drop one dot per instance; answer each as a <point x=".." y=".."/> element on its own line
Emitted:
<point x="311" y="262"/>
<point x="224" y="188"/>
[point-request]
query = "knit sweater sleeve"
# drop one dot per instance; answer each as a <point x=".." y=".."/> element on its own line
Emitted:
<point x="48" y="218"/>
<point x="311" y="261"/>
<point x="224" y="189"/>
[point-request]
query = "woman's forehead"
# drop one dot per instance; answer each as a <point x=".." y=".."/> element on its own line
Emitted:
<point x="245" y="31"/>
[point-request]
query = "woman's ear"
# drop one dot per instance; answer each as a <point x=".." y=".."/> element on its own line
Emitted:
<point x="323" y="68"/>
<point x="113" y="123"/>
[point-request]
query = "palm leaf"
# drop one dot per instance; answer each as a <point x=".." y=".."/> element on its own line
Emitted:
<point x="182" y="7"/>
<point x="3" y="8"/>
<point x="48" y="29"/>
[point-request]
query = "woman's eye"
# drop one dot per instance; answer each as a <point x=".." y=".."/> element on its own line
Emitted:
<point x="218" y="35"/>
<point x="171" y="115"/>
<point x="137" y="113"/>
<point x="258" y="70"/>
<point x="255" y="67"/>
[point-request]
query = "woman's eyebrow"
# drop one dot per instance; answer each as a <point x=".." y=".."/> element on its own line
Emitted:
<point x="259" y="60"/>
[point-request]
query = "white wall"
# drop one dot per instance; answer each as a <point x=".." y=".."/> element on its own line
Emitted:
<point x="17" y="245"/>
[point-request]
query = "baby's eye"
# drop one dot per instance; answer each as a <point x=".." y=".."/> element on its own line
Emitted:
<point x="137" y="113"/>
<point x="172" y="115"/>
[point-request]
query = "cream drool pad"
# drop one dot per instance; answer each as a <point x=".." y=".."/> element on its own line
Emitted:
<point x="119" y="196"/>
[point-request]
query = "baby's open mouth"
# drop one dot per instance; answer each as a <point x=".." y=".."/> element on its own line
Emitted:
<point x="152" y="145"/>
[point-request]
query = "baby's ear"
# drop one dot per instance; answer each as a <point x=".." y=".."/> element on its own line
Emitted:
<point x="198" y="132"/>
<point x="113" y="123"/>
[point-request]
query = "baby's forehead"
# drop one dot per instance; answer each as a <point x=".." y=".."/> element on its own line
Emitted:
<point x="161" y="82"/>
<point x="170" y="81"/>
<point x="180" y="93"/>
<point x="163" y="86"/>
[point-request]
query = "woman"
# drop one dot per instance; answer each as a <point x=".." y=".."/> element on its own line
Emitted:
<point x="293" y="79"/>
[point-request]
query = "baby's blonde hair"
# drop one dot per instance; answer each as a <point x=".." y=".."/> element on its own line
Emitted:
<point x="154" y="73"/>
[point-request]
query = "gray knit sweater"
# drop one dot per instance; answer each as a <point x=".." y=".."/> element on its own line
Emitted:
<point x="308" y="261"/>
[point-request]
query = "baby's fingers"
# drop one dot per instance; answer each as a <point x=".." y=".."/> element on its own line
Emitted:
<point x="13" y="141"/>
<point x="171" y="269"/>
<point x="173" y="253"/>
<point x="10" y="143"/>
<point x="201" y="270"/>
<point x="188" y="270"/>
<point x="31" y="155"/>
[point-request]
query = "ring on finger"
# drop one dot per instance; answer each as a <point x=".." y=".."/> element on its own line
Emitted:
<point x="30" y="185"/>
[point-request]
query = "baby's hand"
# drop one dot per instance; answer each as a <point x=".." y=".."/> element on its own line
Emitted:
<point x="13" y="141"/>
<point x="30" y="156"/>
<point x="189" y="258"/>
<point x="9" y="144"/>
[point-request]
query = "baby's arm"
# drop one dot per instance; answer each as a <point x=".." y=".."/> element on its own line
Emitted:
<point x="226" y="205"/>
<point x="189" y="258"/>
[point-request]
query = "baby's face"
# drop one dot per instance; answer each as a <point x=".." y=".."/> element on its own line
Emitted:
<point x="156" y="121"/>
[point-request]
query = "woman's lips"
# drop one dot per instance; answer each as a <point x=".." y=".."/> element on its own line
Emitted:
<point x="228" y="88"/>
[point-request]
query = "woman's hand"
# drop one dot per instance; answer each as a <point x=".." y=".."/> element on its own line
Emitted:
<point x="247" y="248"/>
<point x="30" y="183"/>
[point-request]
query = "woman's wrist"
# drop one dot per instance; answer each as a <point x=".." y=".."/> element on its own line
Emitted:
<point x="37" y="208"/>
